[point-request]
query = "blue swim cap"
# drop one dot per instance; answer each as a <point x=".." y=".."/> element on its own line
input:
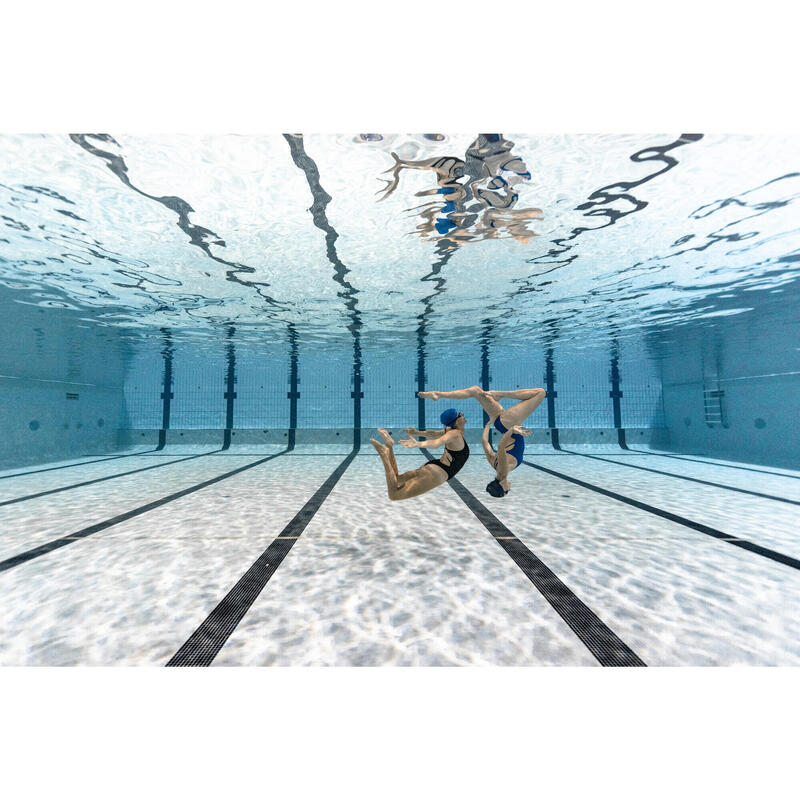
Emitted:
<point x="495" y="489"/>
<point x="448" y="417"/>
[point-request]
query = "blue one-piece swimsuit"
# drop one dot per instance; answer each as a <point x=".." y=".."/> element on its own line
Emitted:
<point x="519" y="442"/>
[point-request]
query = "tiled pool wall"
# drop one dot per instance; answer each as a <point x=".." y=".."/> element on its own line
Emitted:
<point x="61" y="385"/>
<point x="68" y="388"/>
<point x="318" y="393"/>
<point x="753" y="359"/>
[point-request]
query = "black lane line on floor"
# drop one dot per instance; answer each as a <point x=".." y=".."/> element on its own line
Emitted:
<point x="713" y="463"/>
<point x="687" y="478"/>
<point x="100" y="480"/>
<point x="56" y="544"/>
<point x="601" y="641"/>
<point x="745" y="544"/>
<point x="201" y="648"/>
<point x="67" y="466"/>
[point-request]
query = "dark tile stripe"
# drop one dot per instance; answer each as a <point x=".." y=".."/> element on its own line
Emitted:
<point x="230" y="388"/>
<point x="687" y="478"/>
<point x="67" y="466"/>
<point x="293" y="393"/>
<point x="616" y="394"/>
<point x="167" y="395"/>
<point x="485" y="376"/>
<point x="55" y="544"/>
<point x="712" y="463"/>
<point x="550" y="388"/>
<point x="745" y="544"/>
<point x="98" y="480"/>
<point x="603" y="643"/>
<point x="201" y="648"/>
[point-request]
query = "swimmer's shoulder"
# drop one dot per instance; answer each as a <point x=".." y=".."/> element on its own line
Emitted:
<point x="454" y="437"/>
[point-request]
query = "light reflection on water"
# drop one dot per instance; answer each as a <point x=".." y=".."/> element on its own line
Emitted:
<point x="579" y="236"/>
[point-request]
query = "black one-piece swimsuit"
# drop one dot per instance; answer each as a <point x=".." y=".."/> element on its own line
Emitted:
<point x="458" y="459"/>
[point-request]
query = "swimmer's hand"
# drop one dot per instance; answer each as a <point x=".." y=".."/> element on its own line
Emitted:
<point x="411" y="431"/>
<point x="409" y="443"/>
<point x="520" y="430"/>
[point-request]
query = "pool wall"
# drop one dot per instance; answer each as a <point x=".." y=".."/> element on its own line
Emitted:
<point x="753" y="360"/>
<point x="592" y="394"/>
<point x="61" y="385"/>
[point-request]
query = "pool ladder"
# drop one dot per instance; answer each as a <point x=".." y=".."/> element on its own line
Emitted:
<point x="713" y="406"/>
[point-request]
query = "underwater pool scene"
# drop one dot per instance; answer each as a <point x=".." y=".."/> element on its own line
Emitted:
<point x="203" y="336"/>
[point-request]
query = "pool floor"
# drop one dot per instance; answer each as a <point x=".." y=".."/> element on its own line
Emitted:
<point x="259" y="556"/>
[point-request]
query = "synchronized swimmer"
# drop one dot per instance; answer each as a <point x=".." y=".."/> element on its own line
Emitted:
<point x="510" y="448"/>
<point x="418" y="481"/>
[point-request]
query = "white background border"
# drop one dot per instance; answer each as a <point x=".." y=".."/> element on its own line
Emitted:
<point x="411" y="733"/>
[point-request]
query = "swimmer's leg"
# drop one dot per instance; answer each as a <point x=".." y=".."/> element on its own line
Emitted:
<point x="390" y="467"/>
<point x="412" y="483"/>
<point x="419" y="481"/>
<point x="390" y="449"/>
<point x="514" y="394"/>
<point x="458" y="394"/>
<point x="488" y="403"/>
<point x="529" y="402"/>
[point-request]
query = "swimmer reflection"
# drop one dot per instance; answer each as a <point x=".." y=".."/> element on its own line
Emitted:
<point x="480" y="207"/>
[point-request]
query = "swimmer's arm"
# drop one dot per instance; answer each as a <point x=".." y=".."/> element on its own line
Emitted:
<point x="438" y="442"/>
<point x="415" y="432"/>
<point x="487" y="448"/>
<point x="502" y="460"/>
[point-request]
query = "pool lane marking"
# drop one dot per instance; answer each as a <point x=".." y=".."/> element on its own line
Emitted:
<point x="63" y="541"/>
<point x="99" y="480"/>
<point x="688" y="478"/>
<point x="713" y="463"/>
<point x="79" y="464"/>
<point x="601" y="641"/>
<point x="745" y="544"/>
<point x="201" y="648"/>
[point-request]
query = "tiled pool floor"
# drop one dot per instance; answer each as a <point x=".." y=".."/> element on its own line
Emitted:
<point x="687" y="562"/>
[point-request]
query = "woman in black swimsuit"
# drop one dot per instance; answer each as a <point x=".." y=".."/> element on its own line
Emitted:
<point x="418" y="481"/>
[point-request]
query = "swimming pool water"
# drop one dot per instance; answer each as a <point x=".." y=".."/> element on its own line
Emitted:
<point x="201" y="333"/>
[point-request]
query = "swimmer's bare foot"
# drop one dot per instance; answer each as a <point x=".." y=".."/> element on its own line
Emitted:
<point x="428" y="395"/>
<point x="386" y="438"/>
<point x="378" y="446"/>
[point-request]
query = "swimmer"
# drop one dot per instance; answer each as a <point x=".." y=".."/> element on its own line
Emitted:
<point x="507" y="420"/>
<point x="418" y="481"/>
